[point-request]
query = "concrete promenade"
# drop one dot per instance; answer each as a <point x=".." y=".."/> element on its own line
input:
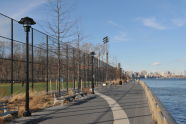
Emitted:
<point x="131" y="97"/>
<point x="112" y="104"/>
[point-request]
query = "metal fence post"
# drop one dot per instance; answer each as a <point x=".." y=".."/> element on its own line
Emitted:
<point x="79" y="76"/>
<point x="47" y="64"/>
<point x="74" y="77"/>
<point x="88" y="70"/>
<point x="59" y="67"/>
<point x="67" y="67"/>
<point x="12" y="57"/>
<point x="84" y="75"/>
<point x="97" y="72"/>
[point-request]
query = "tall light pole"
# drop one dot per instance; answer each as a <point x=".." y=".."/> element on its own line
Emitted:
<point x="105" y="41"/>
<point x="92" y="74"/>
<point x="27" y="22"/>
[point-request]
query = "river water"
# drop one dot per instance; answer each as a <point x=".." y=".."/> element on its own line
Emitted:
<point x="172" y="94"/>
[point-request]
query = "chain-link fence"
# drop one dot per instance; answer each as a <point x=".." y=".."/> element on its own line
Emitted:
<point x="51" y="67"/>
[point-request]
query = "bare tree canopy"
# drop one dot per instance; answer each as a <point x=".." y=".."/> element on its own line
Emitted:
<point x="60" y="24"/>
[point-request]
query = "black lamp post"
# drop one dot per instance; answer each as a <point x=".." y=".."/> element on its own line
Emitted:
<point x="92" y="59"/>
<point x="27" y="22"/>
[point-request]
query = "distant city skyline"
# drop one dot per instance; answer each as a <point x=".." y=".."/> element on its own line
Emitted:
<point x="144" y="35"/>
<point x="184" y="72"/>
<point x="162" y="73"/>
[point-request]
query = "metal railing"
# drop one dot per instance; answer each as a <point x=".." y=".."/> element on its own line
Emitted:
<point x="43" y="59"/>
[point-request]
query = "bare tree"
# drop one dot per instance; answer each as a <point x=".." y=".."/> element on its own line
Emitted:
<point x="60" y="26"/>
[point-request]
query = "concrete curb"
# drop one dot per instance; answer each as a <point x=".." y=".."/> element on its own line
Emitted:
<point x="159" y="113"/>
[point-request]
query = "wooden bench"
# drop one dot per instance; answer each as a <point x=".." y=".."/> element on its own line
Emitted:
<point x="13" y="113"/>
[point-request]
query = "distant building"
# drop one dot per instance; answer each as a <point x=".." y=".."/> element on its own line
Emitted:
<point x="184" y="72"/>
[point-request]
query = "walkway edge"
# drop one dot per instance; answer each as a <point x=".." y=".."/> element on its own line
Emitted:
<point x="119" y="115"/>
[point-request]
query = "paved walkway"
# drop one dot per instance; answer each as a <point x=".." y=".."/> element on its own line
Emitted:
<point x="92" y="110"/>
<point x="130" y="99"/>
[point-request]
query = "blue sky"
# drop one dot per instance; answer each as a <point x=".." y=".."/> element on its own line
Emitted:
<point x="144" y="34"/>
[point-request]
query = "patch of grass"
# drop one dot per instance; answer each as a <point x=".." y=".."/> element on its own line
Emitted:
<point x="38" y="100"/>
<point x="4" y="90"/>
<point x="38" y="86"/>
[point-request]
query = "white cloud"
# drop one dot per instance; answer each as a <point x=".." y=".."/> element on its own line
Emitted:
<point x="155" y="64"/>
<point x="179" y="22"/>
<point x="120" y="37"/>
<point x="152" y="23"/>
<point x="183" y="60"/>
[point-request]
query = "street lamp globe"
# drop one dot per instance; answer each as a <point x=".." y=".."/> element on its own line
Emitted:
<point x="27" y="22"/>
<point x="92" y="53"/>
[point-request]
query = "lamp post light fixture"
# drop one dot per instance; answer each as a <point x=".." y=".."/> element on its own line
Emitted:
<point x="92" y="59"/>
<point x="105" y="40"/>
<point x="27" y="22"/>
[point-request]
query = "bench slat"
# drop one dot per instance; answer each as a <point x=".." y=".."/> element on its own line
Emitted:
<point x="9" y="112"/>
